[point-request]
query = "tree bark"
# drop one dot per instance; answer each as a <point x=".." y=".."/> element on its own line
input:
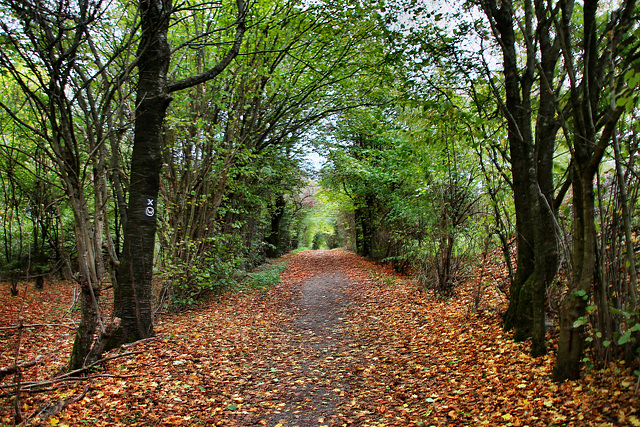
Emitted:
<point x="133" y="292"/>
<point x="571" y="338"/>
<point x="531" y="162"/>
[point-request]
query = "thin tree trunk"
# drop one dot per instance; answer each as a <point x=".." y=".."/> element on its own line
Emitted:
<point x="626" y="216"/>
<point x="89" y="281"/>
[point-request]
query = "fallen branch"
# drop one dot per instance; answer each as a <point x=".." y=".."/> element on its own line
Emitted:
<point x="17" y="412"/>
<point x="97" y="362"/>
<point x="53" y="409"/>
<point x="37" y="325"/>
<point x="33" y="386"/>
<point x="8" y="370"/>
<point x="133" y="344"/>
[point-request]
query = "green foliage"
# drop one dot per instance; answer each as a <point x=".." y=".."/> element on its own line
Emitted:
<point x="189" y="280"/>
<point x="318" y="227"/>
<point x="233" y="145"/>
<point x="622" y="342"/>
<point x="406" y="184"/>
<point x="268" y="275"/>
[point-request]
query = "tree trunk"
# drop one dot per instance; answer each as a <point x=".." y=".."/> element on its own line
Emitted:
<point x="571" y="338"/>
<point x="133" y="292"/>
<point x="132" y="295"/>
<point x="632" y="289"/>
<point x="86" y="328"/>
<point x="89" y="250"/>
<point x="90" y="275"/>
<point x="531" y="162"/>
<point x="273" y="239"/>
<point x="594" y="128"/>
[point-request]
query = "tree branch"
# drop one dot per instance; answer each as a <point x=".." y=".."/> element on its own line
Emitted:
<point x="224" y="62"/>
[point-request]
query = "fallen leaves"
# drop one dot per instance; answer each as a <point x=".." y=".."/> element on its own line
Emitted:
<point x="393" y="356"/>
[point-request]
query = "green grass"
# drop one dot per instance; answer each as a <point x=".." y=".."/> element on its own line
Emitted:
<point x="265" y="276"/>
<point x="295" y="251"/>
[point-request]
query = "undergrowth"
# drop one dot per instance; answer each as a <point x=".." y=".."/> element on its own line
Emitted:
<point x="265" y="277"/>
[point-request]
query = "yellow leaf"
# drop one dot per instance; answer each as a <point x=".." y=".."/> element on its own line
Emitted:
<point x="634" y="421"/>
<point x="621" y="416"/>
<point x="54" y="421"/>
<point x="507" y="417"/>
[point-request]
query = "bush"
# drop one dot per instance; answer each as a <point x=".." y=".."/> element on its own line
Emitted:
<point x="266" y="276"/>
<point x="12" y="271"/>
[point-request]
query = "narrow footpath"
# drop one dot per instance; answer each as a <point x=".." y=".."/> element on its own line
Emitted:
<point x="321" y="304"/>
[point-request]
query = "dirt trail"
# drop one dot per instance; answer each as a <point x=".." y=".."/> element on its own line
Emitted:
<point x="321" y="306"/>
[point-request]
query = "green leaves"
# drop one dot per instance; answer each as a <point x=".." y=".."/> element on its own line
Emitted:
<point x="629" y="98"/>
<point x="624" y="338"/>
<point x="580" y="322"/>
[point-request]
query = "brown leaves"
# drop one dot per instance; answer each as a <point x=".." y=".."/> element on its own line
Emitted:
<point x="392" y="356"/>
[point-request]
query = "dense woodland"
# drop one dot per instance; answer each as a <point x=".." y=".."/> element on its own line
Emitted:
<point x="159" y="150"/>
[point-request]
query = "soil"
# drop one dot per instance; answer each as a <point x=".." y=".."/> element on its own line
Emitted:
<point x="321" y="306"/>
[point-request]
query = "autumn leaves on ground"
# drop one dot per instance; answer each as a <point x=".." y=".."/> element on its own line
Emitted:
<point x="340" y="341"/>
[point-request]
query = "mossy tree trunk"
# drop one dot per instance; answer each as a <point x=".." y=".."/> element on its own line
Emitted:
<point x="531" y="156"/>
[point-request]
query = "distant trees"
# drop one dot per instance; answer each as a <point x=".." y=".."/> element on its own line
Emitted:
<point x="233" y="145"/>
<point x="412" y="191"/>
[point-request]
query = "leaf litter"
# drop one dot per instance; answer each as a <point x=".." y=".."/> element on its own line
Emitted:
<point x="340" y="341"/>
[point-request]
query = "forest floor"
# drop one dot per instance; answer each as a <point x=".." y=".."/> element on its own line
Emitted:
<point x="340" y="341"/>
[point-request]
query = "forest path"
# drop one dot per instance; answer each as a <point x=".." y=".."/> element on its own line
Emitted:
<point x="312" y="398"/>
<point x="340" y="341"/>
